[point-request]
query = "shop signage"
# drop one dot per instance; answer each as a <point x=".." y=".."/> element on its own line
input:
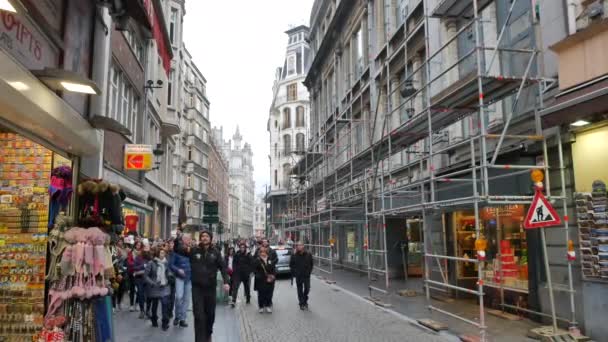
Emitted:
<point x="138" y="157"/>
<point x="541" y="213"/>
<point x="20" y="37"/>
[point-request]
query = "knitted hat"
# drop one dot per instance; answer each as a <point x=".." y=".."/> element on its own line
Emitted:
<point x="205" y="231"/>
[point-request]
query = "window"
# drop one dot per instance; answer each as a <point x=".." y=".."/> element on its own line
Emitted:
<point x="359" y="60"/>
<point x="286" y="118"/>
<point x="300" y="116"/>
<point x="292" y="92"/>
<point x="286" y="171"/>
<point x="276" y="150"/>
<point x="123" y="101"/>
<point x="287" y="144"/>
<point x="173" y="25"/>
<point x="190" y="153"/>
<point x="291" y="65"/>
<point x="170" y="89"/>
<point x="300" y="142"/>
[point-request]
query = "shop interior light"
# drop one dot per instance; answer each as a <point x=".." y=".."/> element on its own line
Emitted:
<point x="580" y="123"/>
<point x="5" y="5"/>
<point x="18" y="85"/>
<point x="78" y="88"/>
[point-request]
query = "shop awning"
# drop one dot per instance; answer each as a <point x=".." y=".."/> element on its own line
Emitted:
<point x="29" y="105"/>
<point x="576" y="105"/>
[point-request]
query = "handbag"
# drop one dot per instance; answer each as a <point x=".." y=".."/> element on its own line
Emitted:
<point x="269" y="277"/>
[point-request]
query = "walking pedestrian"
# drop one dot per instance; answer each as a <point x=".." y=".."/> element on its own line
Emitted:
<point x="172" y="280"/>
<point x="119" y="282"/>
<point x="301" y="265"/>
<point x="180" y="265"/>
<point x="205" y="261"/>
<point x="229" y="261"/>
<point x="272" y="255"/>
<point x="132" y="253"/>
<point x="139" y="269"/>
<point x="243" y="266"/>
<point x="157" y="276"/>
<point x="265" y="276"/>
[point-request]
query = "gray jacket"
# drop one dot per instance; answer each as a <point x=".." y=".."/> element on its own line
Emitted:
<point x="153" y="286"/>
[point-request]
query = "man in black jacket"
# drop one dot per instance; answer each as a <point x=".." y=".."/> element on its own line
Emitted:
<point x="243" y="266"/>
<point x="301" y="265"/>
<point x="205" y="262"/>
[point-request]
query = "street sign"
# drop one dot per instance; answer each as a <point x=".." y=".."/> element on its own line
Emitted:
<point x="138" y="157"/>
<point x="541" y="213"/>
<point x="211" y="219"/>
<point x="210" y="208"/>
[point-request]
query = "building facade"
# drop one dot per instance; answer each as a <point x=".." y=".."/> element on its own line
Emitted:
<point x="218" y="189"/>
<point x="242" y="185"/>
<point x="423" y="135"/>
<point x="288" y="122"/>
<point x="259" y="218"/>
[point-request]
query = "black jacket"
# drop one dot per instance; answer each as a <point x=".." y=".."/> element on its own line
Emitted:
<point x="301" y="264"/>
<point x="262" y="269"/>
<point x="205" y="263"/>
<point x="243" y="263"/>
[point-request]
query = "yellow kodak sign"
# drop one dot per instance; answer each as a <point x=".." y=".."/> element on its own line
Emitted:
<point x="138" y="157"/>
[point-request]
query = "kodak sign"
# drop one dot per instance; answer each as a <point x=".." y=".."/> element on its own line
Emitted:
<point x="138" y="157"/>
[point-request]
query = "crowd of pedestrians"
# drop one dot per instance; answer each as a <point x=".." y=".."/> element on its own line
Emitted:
<point x="168" y="274"/>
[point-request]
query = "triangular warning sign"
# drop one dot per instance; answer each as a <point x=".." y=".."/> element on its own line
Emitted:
<point x="541" y="213"/>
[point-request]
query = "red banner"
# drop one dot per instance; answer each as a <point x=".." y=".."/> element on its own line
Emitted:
<point x="159" y="37"/>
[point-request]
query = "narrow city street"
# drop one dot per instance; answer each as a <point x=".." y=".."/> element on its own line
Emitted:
<point x="334" y="316"/>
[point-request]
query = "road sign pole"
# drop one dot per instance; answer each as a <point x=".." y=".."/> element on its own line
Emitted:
<point x="549" y="281"/>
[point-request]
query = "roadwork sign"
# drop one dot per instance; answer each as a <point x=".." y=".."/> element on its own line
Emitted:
<point x="541" y="213"/>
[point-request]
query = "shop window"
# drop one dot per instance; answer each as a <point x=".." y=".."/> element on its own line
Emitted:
<point x="507" y="248"/>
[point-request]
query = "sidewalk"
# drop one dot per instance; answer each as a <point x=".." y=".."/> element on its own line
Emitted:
<point x="499" y="329"/>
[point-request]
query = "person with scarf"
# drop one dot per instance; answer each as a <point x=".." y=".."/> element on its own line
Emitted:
<point x="265" y="276"/>
<point x="205" y="261"/>
<point x="157" y="281"/>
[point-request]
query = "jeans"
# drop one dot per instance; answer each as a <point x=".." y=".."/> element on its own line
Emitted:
<point x="183" y="292"/>
<point x="164" y="310"/>
<point x="141" y="293"/>
<point x="171" y="300"/>
<point x="237" y="280"/>
<point x="203" y="306"/>
<point x="303" y="284"/>
<point x="132" y="290"/>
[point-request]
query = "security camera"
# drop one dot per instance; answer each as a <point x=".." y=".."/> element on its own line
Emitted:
<point x="149" y="83"/>
<point x="159" y="82"/>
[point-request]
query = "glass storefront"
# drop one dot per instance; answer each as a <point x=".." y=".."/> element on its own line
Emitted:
<point x="29" y="202"/>
<point x="506" y="263"/>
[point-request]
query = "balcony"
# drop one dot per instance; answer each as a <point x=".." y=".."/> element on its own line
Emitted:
<point x="169" y="125"/>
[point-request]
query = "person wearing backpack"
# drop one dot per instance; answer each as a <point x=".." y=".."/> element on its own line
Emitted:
<point x="157" y="276"/>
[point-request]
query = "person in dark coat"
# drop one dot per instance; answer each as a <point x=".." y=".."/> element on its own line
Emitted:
<point x="157" y="276"/>
<point x="301" y="265"/>
<point x="139" y="269"/>
<point x="272" y="254"/>
<point x="265" y="276"/>
<point x="243" y="266"/>
<point x="205" y="262"/>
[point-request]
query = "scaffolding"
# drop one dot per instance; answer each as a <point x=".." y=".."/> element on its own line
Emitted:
<point x="387" y="150"/>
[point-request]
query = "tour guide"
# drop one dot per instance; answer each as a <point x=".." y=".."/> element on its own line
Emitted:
<point x="205" y="261"/>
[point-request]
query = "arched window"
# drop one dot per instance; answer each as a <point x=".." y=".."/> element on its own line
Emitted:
<point x="300" y="142"/>
<point x="286" y="175"/>
<point x="286" y="144"/>
<point x="286" y="118"/>
<point x="300" y="121"/>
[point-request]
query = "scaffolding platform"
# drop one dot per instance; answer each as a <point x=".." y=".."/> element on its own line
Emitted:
<point x="458" y="8"/>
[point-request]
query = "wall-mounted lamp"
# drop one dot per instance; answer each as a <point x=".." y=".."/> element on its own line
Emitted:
<point x="580" y="123"/>
<point x="158" y="152"/>
<point x="66" y="80"/>
<point x="407" y="89"/>
<point x="6" y="5"/>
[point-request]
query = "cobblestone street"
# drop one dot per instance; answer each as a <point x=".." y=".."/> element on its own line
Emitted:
<point x="334" y="316"/>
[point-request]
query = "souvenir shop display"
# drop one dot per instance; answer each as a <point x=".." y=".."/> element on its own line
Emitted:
<point x="24" y="180"/>
<point x="80" y="268"/>
<point x="592" y="222"/>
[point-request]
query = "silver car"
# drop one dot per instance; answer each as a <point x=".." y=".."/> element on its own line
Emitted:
<point x="284" y="253"/>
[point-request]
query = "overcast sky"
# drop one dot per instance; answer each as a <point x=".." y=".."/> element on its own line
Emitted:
<point x="238" y="45"/>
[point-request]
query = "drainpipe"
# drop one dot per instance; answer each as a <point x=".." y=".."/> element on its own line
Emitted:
<point x="571" y="15"/>
<point x="92" y="166"/>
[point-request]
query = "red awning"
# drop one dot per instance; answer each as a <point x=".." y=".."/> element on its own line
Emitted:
<point x="160" y="37"/>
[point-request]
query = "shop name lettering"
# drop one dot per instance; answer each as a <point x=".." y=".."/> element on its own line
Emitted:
<point x="23" y="35"/>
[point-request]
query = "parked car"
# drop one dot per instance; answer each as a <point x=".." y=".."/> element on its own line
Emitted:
<point x="284" y="253"/>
